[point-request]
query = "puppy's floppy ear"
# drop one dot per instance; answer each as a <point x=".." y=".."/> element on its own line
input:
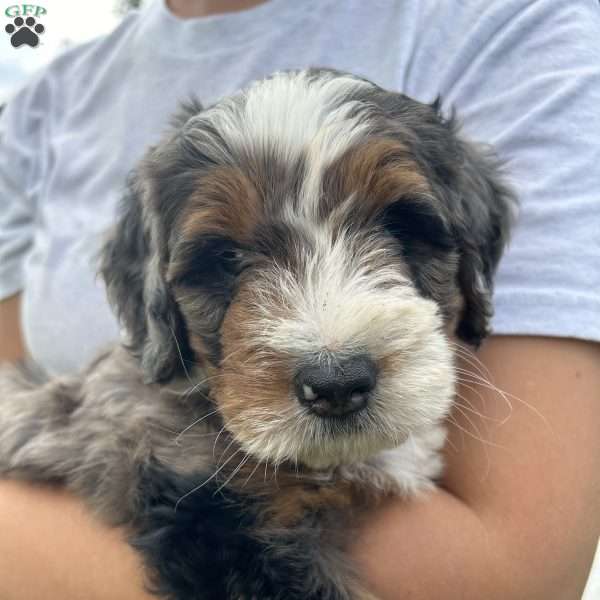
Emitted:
<point x="135" y="256"/>
<point x="485" y="212"/>
<point x="480" y="207"/>
<point x="131" y="265"/>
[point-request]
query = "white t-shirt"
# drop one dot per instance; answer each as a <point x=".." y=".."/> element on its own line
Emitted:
<point x="524" y="76"/>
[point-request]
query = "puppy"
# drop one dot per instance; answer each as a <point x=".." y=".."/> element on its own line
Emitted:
<point x="291" y="267"/>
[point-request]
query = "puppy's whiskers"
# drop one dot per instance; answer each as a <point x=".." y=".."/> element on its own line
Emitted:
<point x="198" y="487"/>
<point x="218" y="435"/>
<point x="251" y="474"/>
<point x="184" y="431"/>
<point x="242" y="462"/>
<point x="471" y="359"/>
<point x="185" y="370"/>
<point x="466" y="377"/>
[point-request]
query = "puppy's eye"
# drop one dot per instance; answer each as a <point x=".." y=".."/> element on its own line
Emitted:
<point x="225" y="255"/>
<point x="412" y="221"/>
<point x="208" y="262"/>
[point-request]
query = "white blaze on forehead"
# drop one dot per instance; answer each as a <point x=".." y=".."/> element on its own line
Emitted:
<point x="295" y="115"/>
<point x="343" y="297"/>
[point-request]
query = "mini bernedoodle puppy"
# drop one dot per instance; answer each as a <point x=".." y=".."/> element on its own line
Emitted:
<point x="291" y="266"/>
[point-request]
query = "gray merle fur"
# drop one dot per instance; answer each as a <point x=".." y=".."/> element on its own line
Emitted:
<point x="139" y="434"/>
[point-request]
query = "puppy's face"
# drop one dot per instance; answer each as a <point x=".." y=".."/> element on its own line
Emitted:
<point x="313" y="243"/>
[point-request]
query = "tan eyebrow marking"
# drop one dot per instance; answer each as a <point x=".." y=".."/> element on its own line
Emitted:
<point x="225" y="203"/>
<point x="375" y="173"/>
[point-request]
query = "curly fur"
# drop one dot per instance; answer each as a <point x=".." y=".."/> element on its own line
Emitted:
<point x="311" y="218"/>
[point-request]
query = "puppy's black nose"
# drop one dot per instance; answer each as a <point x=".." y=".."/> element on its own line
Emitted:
<point x="337" y="388"/>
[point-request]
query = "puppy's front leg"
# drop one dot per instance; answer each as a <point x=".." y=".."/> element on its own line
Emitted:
<point x="91" y="433"/>
<point x="34" y="424"/>
<point x="321" y="515"/>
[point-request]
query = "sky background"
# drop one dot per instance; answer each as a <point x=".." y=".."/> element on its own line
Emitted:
<point x="67" y="22"/>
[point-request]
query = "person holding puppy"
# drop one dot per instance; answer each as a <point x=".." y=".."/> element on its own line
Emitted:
<point x="523" y="77"/>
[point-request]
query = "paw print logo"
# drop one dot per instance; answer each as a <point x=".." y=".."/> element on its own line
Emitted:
<point x="24" y="32"/>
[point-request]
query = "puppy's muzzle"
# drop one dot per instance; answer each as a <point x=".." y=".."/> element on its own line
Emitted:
<point x="336" y="388"/>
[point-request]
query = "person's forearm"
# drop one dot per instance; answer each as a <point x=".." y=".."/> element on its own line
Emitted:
<point x="51" y="548"/>
<point x="12" y="348"/>
<point x="524" y="463"/>
<point x="438" y="548"/>
<point x="526" y="530"/>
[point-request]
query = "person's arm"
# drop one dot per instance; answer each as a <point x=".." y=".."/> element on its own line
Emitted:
<point x="50" y="547"/>
<point x="518" y="520"/>
<point x="11" y="344"/>
<point x="519" y="517"/>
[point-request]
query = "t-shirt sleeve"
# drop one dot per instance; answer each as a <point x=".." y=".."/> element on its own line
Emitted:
<point x="526" y="78"/>
<point x="22" y="125"/>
